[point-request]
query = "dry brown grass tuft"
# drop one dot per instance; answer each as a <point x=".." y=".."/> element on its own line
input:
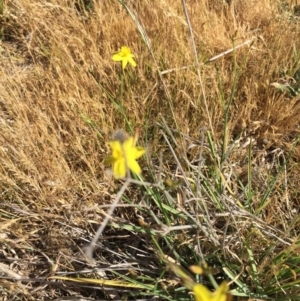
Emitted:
<point x="58" y="94"/>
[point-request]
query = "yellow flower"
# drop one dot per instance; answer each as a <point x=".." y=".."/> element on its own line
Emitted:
<point x="203" y="294"/>
<point x="125" y="56"/>
<point x="124" y="156"/>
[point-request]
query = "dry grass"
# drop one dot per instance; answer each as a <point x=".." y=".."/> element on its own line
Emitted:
<point x="60" y="100"/>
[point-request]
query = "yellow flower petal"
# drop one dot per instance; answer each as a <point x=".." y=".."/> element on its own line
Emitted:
<point x="139" y="152"/>
<point x="115" y="144"/>
<point x="128" y="144"/>
<point x="124" y="156"/>
<point x="125" y="56"/>
<point x="221" y="293"/>
<point x="117" y="57"/>
<point x="202" y="293"/>
<point x="119" y="169"/>
<point x="125" y="50"/>
<point x="134" y="166"/>
<point x="116" y="148"/>
<point x="124" y="63"/>
<point x="132" y="62"/>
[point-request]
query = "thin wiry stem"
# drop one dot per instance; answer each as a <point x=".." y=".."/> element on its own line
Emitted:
<point x="89" y="250"/>
<point x="147" y="41"/>
<point x="197" y="63"/>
